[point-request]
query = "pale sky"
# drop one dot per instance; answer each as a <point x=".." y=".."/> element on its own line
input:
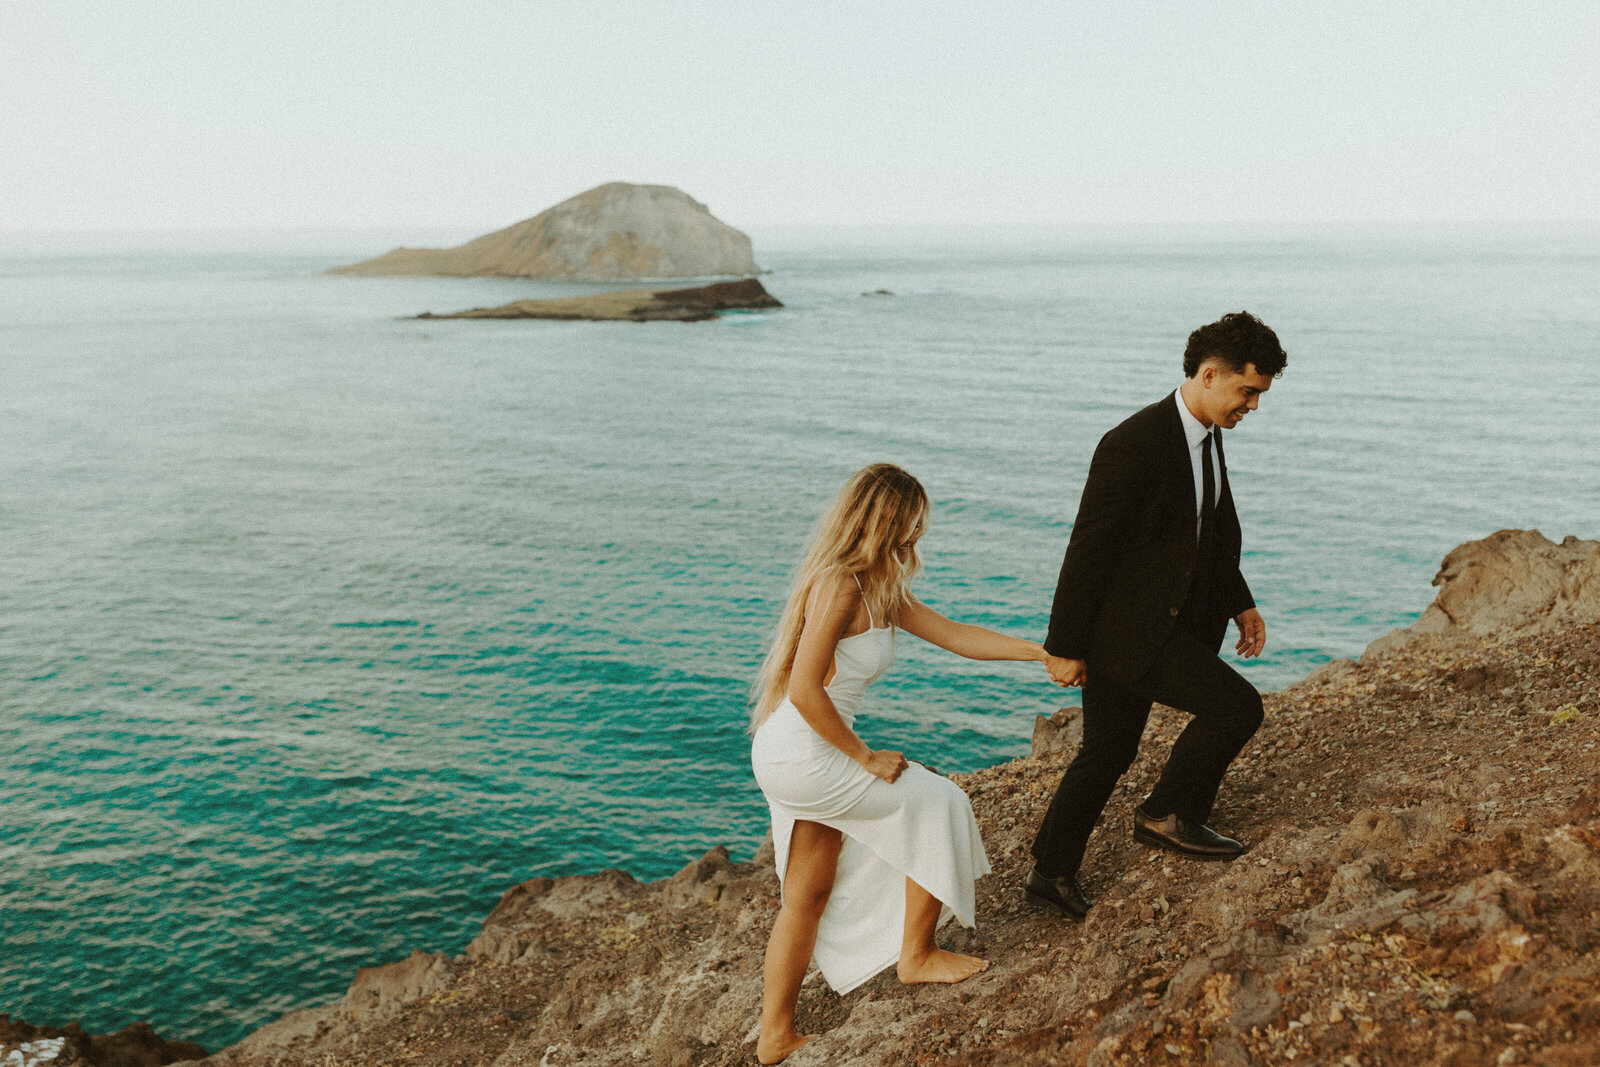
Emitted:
<point x="477" y="113"/>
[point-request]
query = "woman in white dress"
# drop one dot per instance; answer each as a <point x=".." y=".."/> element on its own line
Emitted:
<point x="873" y="852"/>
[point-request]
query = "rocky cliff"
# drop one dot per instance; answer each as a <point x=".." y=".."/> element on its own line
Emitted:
<point x="135" y="1045"/>
<point x="1423" y="887"/>
<point x="613" y="232"/>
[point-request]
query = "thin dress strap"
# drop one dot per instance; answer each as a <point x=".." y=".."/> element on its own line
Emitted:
<point x="871" y="623"/>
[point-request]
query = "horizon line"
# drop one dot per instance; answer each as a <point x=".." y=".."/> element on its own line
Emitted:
<point x="993" y="224"/>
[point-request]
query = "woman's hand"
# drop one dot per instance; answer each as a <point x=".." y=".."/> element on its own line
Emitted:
<point x="885" y="763"/>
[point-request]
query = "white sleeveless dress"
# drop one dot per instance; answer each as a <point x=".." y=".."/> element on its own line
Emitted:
<point x="919" y="827"/>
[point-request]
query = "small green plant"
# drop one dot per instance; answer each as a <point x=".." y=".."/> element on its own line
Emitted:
<point x="1565" y="714"/>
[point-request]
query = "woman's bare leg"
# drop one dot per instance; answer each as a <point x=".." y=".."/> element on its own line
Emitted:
<point x="921" y="958"/>
<point x="807" y="881"/>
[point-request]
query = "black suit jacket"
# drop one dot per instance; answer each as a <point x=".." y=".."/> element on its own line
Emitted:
<point x="1133" y="555"/>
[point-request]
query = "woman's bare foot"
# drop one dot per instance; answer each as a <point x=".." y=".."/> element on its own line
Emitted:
<point x="939" y="966"/>
<point x="778" y="1048"/>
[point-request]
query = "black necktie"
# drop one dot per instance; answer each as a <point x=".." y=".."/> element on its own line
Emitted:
<point x="1208" y="487"/>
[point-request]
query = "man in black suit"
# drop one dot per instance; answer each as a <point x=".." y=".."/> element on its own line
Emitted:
<point x="1150" y="580"/>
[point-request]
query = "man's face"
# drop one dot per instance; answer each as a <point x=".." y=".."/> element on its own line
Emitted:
<point x="1227" y="397"/>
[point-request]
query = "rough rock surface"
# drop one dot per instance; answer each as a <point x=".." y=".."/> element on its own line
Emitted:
<point x="1422" y="887"/>
<point x="1058" y="734"/>
<point x="135" y="1045"/>
<point x="635" y="305"/>
<point x="1513" y="581"/>
<point x="613" y="231"/>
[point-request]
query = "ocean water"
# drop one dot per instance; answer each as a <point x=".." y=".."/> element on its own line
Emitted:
<point x="320" y="626"/>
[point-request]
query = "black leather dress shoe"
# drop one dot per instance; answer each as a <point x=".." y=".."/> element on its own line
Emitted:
<point x="1183" y="837"/>
<point x="1065" y="895"/>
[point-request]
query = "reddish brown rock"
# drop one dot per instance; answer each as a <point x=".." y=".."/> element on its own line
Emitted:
<point x="135" y="1045"/>
<point x="1057" y="734"/>
<point x="377" y="990"/>
<point x="1511" y="582"/>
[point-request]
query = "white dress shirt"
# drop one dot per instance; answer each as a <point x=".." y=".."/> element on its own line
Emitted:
<point x="1196" y="433"/>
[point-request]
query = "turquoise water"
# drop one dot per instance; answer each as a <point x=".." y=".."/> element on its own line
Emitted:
<point x="321" y="627"/>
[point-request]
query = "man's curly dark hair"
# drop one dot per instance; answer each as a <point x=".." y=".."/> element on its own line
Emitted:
<point x="1238" y="339"/>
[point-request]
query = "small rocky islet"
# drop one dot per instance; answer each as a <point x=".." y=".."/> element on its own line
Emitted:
<point x="1422" y="887"/>
<point x="614" y="232"/>
<point x="618" y="231"/>
<point x="696" y="304"/>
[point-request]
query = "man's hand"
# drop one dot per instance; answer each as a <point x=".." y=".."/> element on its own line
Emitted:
<point x="1252" y="633"/>
<point x="1065" y="672"/>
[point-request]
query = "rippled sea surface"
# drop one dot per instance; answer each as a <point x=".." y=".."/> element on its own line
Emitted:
<point x="320" y="627"/>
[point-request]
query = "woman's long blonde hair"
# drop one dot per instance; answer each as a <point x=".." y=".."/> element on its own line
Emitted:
<point x="879" y="510"/>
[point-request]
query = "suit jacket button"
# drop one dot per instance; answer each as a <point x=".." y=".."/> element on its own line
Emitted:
<point x="1173" y="612"/>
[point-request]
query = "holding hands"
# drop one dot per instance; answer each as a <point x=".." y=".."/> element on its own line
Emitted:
<point x="1252" y="639"/>
<point x="1065" y="672"/>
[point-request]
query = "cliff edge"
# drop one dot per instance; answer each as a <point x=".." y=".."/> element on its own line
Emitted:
<point x="613" y="232"/>
<point x="1422" y="887"/>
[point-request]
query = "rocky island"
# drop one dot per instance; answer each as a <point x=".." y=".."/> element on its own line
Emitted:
<point x="613" y="232"/>
<point x="634" y="305"/>
<point x="1422" y="887"/>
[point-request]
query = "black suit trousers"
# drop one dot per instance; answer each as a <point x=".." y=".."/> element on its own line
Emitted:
<point x="1186" y="675"/>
